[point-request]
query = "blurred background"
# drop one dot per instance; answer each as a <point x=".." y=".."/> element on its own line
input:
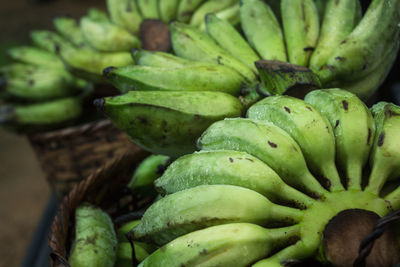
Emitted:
<point x="24" y="193"/>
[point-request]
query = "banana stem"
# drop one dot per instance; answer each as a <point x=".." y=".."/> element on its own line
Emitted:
<point x="284" y="236"/>
<point x="354" y="176"/>
<point x="377" y="180"/>
<point x="292" y="196"/>
<point x="332" y="178"/>
<point x="394" y="199"/>
<point x="283" y="78"/>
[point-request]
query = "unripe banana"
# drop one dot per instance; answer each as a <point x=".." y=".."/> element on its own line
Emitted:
<point x="230" y="14"/>
<point x="97" y="15"/>
<point x="208" y="77"/>
<point x="362" y="50"/>
<point x="210" y="6"/>
<point x="161" y="59"/>
<point x="301" y="28"/>
<point x="124" y="253"/>
<point x="191" y="43"/>
<point x="48" y="40"/>
<point x="69" y="29"/>
<point x="309" y="128"/>
<point x="353" y="126"/>
<point x="108" y="37"/>
<point x="385" y="154"/>
<point x="221" y="245"/>
<point x="186" y="9"/>
<point x="181" y="117"/>
<point x="262" y="30"/>
<point x="42" y="114"/>
<point x="35" y="56"/>
<point x="340" y="19"/>
<point x="148" y="8"/>
<point x="231" y="40"/>
<point x="146" y="173"/>
<point x="168" y="9"/>
<point x="16" y="70"/>
<point x="230" y="168"/>
<point x="267" y="142"/>
<point x="208" y="205"/>
<point x="125" y="13"/>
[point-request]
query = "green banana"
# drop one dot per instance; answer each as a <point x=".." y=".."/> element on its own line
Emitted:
<point x="191" y="43"/>
<point x="262" y="30"/>
<point x="385" y="154"/>
<point x="48" y="40"/>
<point x="107" y="37"/>
<point x="309" y="128"/>
<point x="124" y="229"/>
<point x="42" y="114"/>
<point x="231" y="40"/>
<point x="16" y="70"/>
<point x="95" y="241"/>
<point x="126" y="14"/>
<point x="35" y="56"/>
<point x="69" y="29"/>
<point x="221" y="245"/>
<point x="148" y="8"/>
<point x="137" y="113"/>
<point x="230" y="14"/>
<point x="208" y="77"/>
<point x="230" y="168"/>
<point x="208" y="205"/>
<point x="168" y="9"/>
<point x="89" y="64"/>
<point x="340" y="19"/>
<point x="362" y="50"/>
<point x="161" y="59"/>
<point x="301" y="29"/>
<point x="146" y="173"/>
<point x="124" y="253"/>
<point x="267" y="142"/>
<point x="42" y="84"/>
<point x="210" y="6"/>
<point x="97" y="15"/>
<point x="186" y="9"/>
<point x="353" y="126"/>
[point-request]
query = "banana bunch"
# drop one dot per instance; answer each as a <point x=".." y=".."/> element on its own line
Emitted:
<point x="332" y="40"/>
<point x="273" y="187"/>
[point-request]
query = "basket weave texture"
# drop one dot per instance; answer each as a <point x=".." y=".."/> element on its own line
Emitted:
<point x="69" y="155"/>
<point x="105" y="188"/>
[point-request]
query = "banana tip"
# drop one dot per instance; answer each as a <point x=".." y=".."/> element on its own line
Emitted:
<point x="99" y="103"/>
<point x="107" y="70"/>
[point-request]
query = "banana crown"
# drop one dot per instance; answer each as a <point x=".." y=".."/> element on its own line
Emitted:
<point x="279" y="176"/>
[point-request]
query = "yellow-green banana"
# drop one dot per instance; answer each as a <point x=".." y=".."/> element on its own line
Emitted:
<point x="186" y="9"/>
<point x="262" y="30"/>
<point x="125" y="13"/>
<point x="353" y="126"/>
<point x="166" y="122"/>
<point x="48" y="40"/>
<point x="230" y="168"/>
<point x="301" y="29"/>
<point x="161" y="59"/>
<point x="191" y="43"/>
<point x="231" y="40"/>
<point x="208" y="77"/>
<point x="168" y="9"/>
<point x="309" y="128"/>
<point x="35" y="56"/>
<point x="210" y="6"/>
<point x="267" y="142"/>
<point x="148" y="8"/>
<point x="70" y="30"/>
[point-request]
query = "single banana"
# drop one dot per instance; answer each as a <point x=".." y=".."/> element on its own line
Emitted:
<point x="301" y="29"/>
<point x="48" y="40"/>
<point x="97" y="15"/>
<point x="16" y="70"/>
<point x="208" y="205"/>
<point x="168" y="9"/>
<point x="107" y="37"/>
<point x="186" y="9"/>
<point x="309" y="128"/>
<point x="35" y="56"/>
<point x="161" y="59"/>
<point x="43" y="114"/>
<point x="353" y="126"/>
<point x="221" y="245"/>
<point x="262" y="30"/>
<point x="126" y="14"/>
<point x="208" y="77"/>
<point x="191" y="43"/>
<point x="267" y="142"/>
<point x="210" y="6"/>
<point x="230" y="39"/>
<point x="146" y="173"/>
<point x="340" y="20"/>
<point x="148" y="8"/>
<point x="181" y="117"/>
<point x="230" y="168"/>
<point x="230" y="14"/>
<point x="70" y="30"/>
<point x="362" y="50"/>
<point x="385" y="154"/>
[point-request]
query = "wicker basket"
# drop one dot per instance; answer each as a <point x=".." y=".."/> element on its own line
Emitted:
<point x="69" y="155"/>
<point x="105" y="188"/>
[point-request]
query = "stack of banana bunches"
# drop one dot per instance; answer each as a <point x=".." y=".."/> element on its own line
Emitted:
<point x="251" y="175"/>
